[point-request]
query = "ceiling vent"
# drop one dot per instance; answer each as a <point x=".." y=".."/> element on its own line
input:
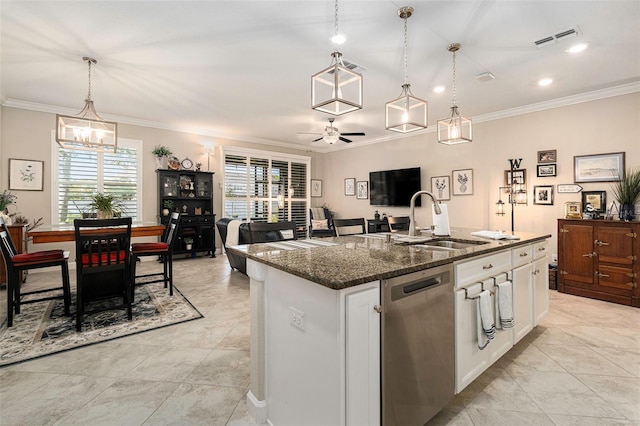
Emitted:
<point x="546" y="41"/>
<point x="485" y="76"/>
<point x="353" y="66"/>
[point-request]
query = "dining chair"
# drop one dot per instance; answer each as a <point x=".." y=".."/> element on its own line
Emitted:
<point x="102" y="264"/>
<point x="398" y="223"/>
<point x="321" y="223"/>
<point x="264" y="232"/>
<point x="17" y="262"/>
<point x="349" y="226"/>
<point x="163" y="250"/>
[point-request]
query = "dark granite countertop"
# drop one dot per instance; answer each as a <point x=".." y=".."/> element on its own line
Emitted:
<point x="355" y="260"/>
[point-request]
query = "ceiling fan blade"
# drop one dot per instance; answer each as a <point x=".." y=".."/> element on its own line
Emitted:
<point x="353" y="134"/>
<point x="316" y="140"/>
<point x="306" y="133"/>
<point x="345" y="139"/>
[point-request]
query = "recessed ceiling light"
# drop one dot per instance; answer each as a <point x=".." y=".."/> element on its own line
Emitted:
<point x="545" y="82"/>
<point x="578" y="47"/>
<point x="338" y="39"/>
<point x="438" y="89"/>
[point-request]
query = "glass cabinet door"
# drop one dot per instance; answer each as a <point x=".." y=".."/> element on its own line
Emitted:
<point x="203" y="186"/>
<point x="169" y="186"/>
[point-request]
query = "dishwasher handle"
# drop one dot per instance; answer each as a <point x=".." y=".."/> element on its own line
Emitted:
<point x="399" y="290"/>
<point x="412" y="288"/>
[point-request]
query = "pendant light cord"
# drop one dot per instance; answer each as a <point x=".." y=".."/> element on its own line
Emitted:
<point x="453" y="101"/>
<point x="406" y="78"/>
<point x="336" y="19"/>
<point x="89" y="90"/>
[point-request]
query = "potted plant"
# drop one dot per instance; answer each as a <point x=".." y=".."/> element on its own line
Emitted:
<point x="168" y="207"/>
<point x="627" y="193"/>
<point x="188" y="242"/>
<point x="161" y="153"/>
<point x="6" y="199"/>
<point x="107" y="206"/>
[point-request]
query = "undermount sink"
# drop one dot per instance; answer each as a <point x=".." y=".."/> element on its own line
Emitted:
<point x="450" y="244"/>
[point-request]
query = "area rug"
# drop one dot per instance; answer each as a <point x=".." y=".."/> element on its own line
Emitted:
<point x="42" y="328"/>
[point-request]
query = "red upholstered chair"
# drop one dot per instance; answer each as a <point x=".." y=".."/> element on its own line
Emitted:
<point x="164" y="251"/>
<point x="102" y="262"/>
<point x="15" y="263"/>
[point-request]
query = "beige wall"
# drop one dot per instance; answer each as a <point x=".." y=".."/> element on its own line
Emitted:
<point x="586" y="128"/>
<point x="603" y="126"/>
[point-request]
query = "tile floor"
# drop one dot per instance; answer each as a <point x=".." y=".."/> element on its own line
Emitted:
<point x="580" y="367"/>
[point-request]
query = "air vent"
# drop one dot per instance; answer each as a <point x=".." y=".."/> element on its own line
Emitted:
<point x="353" y="66"/>
<point x="546" y="41"/>
<point x="485" y="76"/>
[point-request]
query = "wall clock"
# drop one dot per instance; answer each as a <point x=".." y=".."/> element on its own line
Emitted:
<point x="187" y="164"/>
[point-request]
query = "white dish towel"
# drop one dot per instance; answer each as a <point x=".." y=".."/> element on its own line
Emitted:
<point x="486" y="324"/>
<point x="504" y="305"/>
<point x="233" y="232"/>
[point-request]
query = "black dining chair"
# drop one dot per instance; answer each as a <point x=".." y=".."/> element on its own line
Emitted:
<point x="398" y="223"/>
<point x="163" y="250"/>
<point x="17" y="262"/>
<point x="103" y="262"/>
<point x="349" y="226"/>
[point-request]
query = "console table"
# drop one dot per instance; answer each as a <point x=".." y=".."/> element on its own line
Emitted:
<point x="379" y="225"/>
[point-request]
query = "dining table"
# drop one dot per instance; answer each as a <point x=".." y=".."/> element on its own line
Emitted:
<point x="66" y="232"/>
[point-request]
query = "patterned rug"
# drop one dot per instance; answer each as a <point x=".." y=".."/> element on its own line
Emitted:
<point x="42" y="328"/>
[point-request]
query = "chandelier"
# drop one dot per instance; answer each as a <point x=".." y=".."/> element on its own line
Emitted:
<point x="87" y="130"/>
<point x="337" y="89"/>
<point x="454" y="129"/>
<point x="407" y="113"/>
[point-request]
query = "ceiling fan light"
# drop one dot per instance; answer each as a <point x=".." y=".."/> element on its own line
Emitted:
<point x="331" y="139"/>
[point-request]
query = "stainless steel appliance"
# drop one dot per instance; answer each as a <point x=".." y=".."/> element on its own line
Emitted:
<point x="418" y="354"/>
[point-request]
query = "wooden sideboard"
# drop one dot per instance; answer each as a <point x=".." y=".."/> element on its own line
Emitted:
<point x="17" y="236"/>
<point x="599" y="259"/>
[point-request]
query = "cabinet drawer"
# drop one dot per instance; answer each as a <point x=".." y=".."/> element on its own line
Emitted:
<point x="482" y="268"/>
<point x="540" y="249"/>
<point x="522" y="255"/>
<point x="205" y="219"/>
<point x="187" y="220"/>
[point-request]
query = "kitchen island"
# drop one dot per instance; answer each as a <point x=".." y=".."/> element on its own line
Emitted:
<point x="315" y="318"/>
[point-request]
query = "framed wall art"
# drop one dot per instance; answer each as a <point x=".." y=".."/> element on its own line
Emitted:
<point x="572" y="210"/>
<point x="26" y="175"/>
<point x="440" y="187"/>
<point x="546" y="170"/>
<point x="548" y="156"/>
<point x="543" y="195"/>
<point x="362" y="190"/>
<point x="316" y="188"/>
<point x="594" y="201"/>
<point x="350" y="186"/>
<point x="462" y="182"/>
<point x="599" y="167"/>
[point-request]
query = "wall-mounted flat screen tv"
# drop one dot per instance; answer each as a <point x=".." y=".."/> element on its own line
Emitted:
<point x="394" y="187"/>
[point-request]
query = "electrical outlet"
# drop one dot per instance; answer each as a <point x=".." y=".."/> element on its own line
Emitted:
<point x="296" y="318"/>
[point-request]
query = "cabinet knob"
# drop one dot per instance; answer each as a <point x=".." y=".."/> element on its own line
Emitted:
<point x="600" y="243"/>
<point x="590" y="255"/>
<point x="489" y="266"/>
<point x="377" y="308"/>
<point x="542" y="248"/>
<point x="524" y="254"/>
<point x="601" y="275"/>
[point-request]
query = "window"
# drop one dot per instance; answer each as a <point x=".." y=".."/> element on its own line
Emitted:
<point x="76" y="174"/>
<point x="266" y="187"/>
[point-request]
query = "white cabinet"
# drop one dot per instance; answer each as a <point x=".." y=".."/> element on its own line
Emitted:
<point x="522" y="301"/>
<point x="363" y="358"/>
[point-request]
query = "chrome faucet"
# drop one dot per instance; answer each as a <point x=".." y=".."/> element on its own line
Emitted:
<point x="412" y="219"/>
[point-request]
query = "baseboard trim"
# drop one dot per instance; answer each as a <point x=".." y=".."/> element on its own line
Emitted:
<point x="256" y="409"/>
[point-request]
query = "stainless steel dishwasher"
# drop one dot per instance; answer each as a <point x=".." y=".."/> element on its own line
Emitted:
<point x="418" y="354"/>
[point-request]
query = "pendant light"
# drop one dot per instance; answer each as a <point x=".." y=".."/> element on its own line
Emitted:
<point x="454" y="129"/>
<point x="337" y="89"/>
<point x="407" y="113"/>
<point x="87" y="131"/>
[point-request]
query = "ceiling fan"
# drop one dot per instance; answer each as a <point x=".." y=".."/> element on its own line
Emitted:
<point x="331" y="134"/>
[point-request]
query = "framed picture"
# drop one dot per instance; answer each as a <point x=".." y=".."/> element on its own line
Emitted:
<point x="594" y="201"/>
<point x="316" y="188"/>
<point x="362" y="190"/>
<point x="572" y="210"/>
<point x="462" y="182"/>
<point x="543" y="194"/>
<point x="440" y="187"/>
<point x="350" y="186"/>
<point x="519" y="177"/>
<point x="598" y="168"/>
<point x="546" y="170"/>
<point x="548" y="156"/>
<point x="26" y="175"/>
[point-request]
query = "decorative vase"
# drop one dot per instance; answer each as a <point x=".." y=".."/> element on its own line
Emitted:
<point x="188" y="246"/>
<point x="100" y="214"/>
<point x="161" y="162"/>
<point x="7" y="219"/>
<point x="627" y="212"/>
<point x="165" y="212"/>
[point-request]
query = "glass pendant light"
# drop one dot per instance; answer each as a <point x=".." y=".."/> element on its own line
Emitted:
<point x="406" y="113"/>
<point x="337" y="89"/>
<point x="454" y="129"/>
<point x="87" y="130"/>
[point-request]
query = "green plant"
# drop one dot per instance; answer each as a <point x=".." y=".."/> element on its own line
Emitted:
<point x="108" y="203"/>
<point x="627" y="189"/>
<point x="161" y="151"/>
<point x="188" y="240"/>
<point x="6" y="199"/>
<point x="168" y="204"/>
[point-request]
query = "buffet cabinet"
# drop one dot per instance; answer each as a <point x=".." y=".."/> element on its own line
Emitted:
<point x="190" y="193"/>
<point x="599" y="259"/>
